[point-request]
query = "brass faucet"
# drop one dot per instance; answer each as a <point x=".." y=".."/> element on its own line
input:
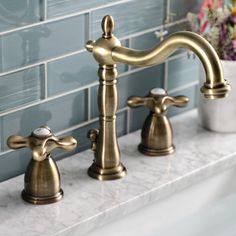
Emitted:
<point x="42" y="178"/>
<point x="108" y="51"/>
<point x="157" y="134"/>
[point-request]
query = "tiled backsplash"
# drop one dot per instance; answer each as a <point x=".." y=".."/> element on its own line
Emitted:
<point x="47" y="77"/>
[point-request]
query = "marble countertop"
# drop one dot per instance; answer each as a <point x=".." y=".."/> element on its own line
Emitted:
<point x="89" y="203"/>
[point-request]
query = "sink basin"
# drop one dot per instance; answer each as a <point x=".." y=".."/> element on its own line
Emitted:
<point x="206" y="208"/>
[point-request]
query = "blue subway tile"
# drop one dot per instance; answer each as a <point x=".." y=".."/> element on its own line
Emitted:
<point x="137" y="118"/>
<point x="20" y="88"/>
<point x="191" y="93"/>
<point x="184" y="26"/>
<point x="94" y="102"/>
<point x="130" y="17"/>
<point x="71" y="72"/>
<point x="61" y="7"/>
<point x="15" y="13"/>
<point x="182" y="71"/>
<point x="180" y="8"/>
<point x="14" y="163"/>
<point x="58" y="114"/>
<point x="42" y="42"/>
<point x="139" y="83"/>
<point x="145" y="41"/>
<point x="75" y="71"/>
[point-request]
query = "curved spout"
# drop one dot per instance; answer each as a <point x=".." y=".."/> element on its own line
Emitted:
<point x="215" y="85"/>
<point x="108" y="51"/>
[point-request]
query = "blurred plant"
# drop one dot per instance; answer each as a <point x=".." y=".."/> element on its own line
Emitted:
<point x="217" y="23"/>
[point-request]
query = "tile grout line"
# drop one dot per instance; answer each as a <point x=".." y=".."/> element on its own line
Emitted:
<point x="167" y="17"/>
<point x="89" y="30"/>
<point x="45" y="80"/>
<point x="87" y="27"/>
<point x="48" y="99"/>
<point x="42" y="62"/>
<point x="129" y="40"/>
<point x="128" y="121"/>
<point x="1" y="59"/>
<point x="66" y="55"/>
<point x="44" y="11"/>
<point x="75" y="127"/>
<point x="189" y="85"/>
<point x="166" y="75"/>
<point x="154" y="29"/>
<point x="41" y="81"/>
<point x="1" y="135"/>
<point x="5" y="152"/>
<point x="89" y="102"/>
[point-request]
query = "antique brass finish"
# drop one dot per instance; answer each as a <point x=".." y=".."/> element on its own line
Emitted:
<point x="108" y="51"/>
<point x="107" y="164"/>
<point x="42" y="178"/>
<point x="157" y="134"/>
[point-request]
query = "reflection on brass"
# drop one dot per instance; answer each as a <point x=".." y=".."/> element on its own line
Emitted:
<point x="157" y="134"/>
<point x="42" y="178"/>
<point x="108" y="51"/>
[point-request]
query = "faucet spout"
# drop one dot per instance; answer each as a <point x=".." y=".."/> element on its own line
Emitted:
<point x="215" y="85"/>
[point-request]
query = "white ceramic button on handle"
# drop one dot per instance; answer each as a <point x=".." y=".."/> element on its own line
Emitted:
<point x="158" y="91"/>
<point x="42" y="132"/>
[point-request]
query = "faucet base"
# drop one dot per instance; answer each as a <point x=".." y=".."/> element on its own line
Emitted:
<point x="155" y="152"/>
<point x="42" y="200"/>
<point x="99" y="173"/>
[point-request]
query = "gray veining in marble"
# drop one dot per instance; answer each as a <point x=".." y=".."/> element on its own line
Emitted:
<point x="89" y="204"/>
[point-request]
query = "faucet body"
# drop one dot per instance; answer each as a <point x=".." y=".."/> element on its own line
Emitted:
<point x="157" y="134"/>
<point x="42" y="179"/>
<point x="107" y="165"/>
<point x="108" y="51"/>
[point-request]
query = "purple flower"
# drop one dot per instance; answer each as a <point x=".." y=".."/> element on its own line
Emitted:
<point x="229" y="52"/>
<point x="223" y="33"/>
